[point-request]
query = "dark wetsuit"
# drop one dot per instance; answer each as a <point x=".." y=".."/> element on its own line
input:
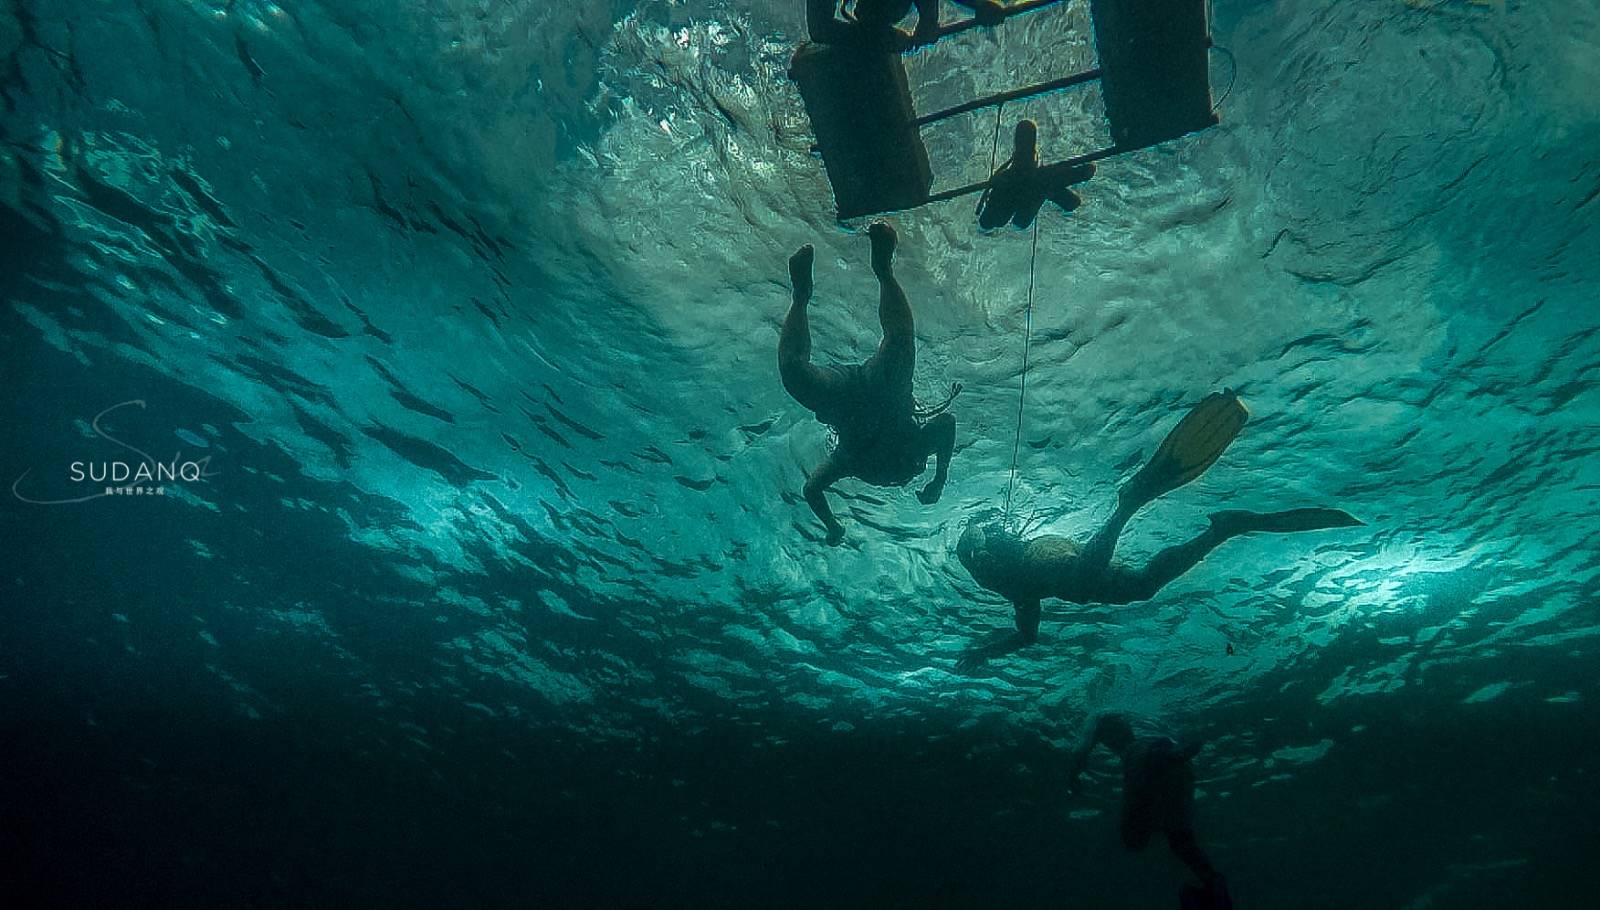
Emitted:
<point x="881" y="440"/>
<point x="1016" y="193"/>
<point x="1157" y="792"/>
<point x="878" y="433"/>
<point x="1157" y="796"/>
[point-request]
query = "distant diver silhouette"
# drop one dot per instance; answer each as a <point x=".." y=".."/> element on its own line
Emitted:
<point x="1157" y="795"/>
<point x="1027" y="571"/>
<point x="883" y="437"/>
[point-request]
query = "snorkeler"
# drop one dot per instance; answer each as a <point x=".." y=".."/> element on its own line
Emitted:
<point x="1157" y="795"/>
<point x="873" y="21"/>
<point x="1027" y="571"/>
<point x="884" y="438"/>
<point x="1019" y="188"/>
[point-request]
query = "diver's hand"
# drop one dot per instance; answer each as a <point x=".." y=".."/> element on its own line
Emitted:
<point x="835" y="535"/>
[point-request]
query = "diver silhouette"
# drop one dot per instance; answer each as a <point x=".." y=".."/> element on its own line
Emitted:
<point x="884" y="439"/>
<point x="1027" y="571"/>
<point x="1020" y="186"/>
<point x="1157" y="795"/>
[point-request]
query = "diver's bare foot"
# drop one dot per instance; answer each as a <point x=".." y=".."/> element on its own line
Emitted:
<point x="884" y="239"/>
<point x="800" y="271"/>
<point x="930" y="494"/>
<point x="835" y="535"/>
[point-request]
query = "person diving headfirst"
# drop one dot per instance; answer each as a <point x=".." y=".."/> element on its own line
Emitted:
<point x="884" y="438"/>
<point x="1028" y="571"/>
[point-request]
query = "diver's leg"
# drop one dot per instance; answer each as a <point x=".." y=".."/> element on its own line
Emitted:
<point x="998" y="204"/>
<point x="1186" y="847"/>
<point x="1058" y="181"/>
<point x="994" y="210"/>
<point x="1128" y="586"/>
<point x="1029" y="201"/>
<point x="803" y="380"/>
<point x="1096" y="556"/>
<point x="1189" y="448"/>
<point x="1138" y="818"/>
<point x="938" y="439"/>
<point x="1124" y="586"/>
<point x="794" y="343"/>
<point x="897" y="352"/>
<point x="1066" y="199"/>
<point x="830" y="471"/>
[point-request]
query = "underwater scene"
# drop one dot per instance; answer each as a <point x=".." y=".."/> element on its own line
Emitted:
<point x="800" y="453"/>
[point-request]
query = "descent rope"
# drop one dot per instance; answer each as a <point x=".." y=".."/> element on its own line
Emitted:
<point x="1022" y="393"/>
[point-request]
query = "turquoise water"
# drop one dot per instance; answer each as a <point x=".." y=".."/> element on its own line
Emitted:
<point x="497" y="588"/>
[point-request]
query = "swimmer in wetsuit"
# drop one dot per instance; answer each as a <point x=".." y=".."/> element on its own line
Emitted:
<point x="883" y="437"/>
<point x="1028" y="571"/>
<point x="1020" y="187"/>
<point x="1157" y="795"/>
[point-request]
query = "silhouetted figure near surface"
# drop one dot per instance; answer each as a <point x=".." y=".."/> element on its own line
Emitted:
<point x="873" y="22"/>
<point x="1157" y="796"/>
<point x="1019" y="187"/>
<point x="884" y="439"/>
<point x="1028" y="571"/>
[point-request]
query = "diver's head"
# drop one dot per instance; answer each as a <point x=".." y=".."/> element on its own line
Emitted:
<point x="1114" y="731"/>
<point x="881" y="13"/>
<point x="989" y="550"/>
<point x="1026" y="141"/>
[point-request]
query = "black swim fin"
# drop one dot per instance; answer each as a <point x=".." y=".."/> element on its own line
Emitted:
<point x="1205" y="897"/>
<point x="1235" y="521"/>
<point x="1194" y="444"/>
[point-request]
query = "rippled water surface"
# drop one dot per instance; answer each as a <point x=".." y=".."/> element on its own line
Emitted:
<point x="498" y="590"/>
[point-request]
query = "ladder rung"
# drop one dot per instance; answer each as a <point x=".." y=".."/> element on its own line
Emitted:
<point x="1027" y="91"/>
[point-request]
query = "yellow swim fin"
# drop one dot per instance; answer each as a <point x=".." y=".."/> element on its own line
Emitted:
<point x="1194" y="444"/>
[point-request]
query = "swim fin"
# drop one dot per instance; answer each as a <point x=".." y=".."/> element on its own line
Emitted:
<point x="1203" y="897"/>
<point x="1234" y="521"/>
<point x="1194" y="444"/>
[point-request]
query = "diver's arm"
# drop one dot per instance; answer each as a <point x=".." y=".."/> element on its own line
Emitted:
<point x="815" y="492"/>
<point x="1028" y="613"/>
<point x="998" y="646"/>
<point x="1079" y="761"/>
<point x="1105" y="729"/>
